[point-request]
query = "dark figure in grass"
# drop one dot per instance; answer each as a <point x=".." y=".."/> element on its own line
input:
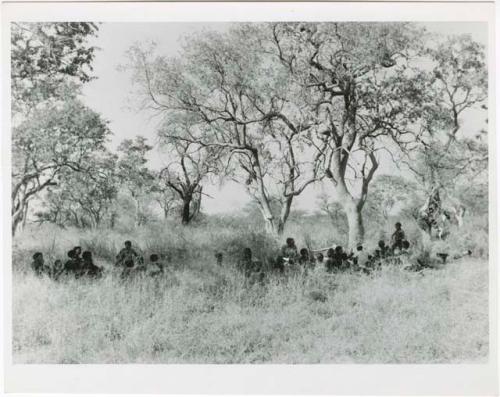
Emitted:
<point x="127" y="256"/>
<point x="155" y="267"/>
<point x="88" y="267"/>
<point x="305" y="258"/>
<point x="73" y="266"/>
<point x="38" y="265"/>
<point x="383" y="250"/>
<point x="77" y="253"/>
<point x="279" y="265"/>
<point x="397" y="237"/>
<point x="320" y="259"/>
<point x="306" y="261"/>
<point x="218" y="258"/>
<point x="289" y="250"/>
<point x="57" y="270"/>
<point x="246" y="264"/>
<point x="330" y="264"/>
<point x="358" y="258"/>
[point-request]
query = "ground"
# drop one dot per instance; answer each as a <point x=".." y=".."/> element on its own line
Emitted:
<point x="205" y="314"/>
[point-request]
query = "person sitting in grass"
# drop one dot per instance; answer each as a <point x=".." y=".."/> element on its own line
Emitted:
<point x="88" y="267"/>
<point x="126" y="255"/>
<point x="383" y="251"/>
<point x="72" y="266"/>
<point x="155" y="267"/>
<point x="330" y="263"/>
<point x="38" y="265"/>
<point x="128" y="269"/>
<point x="218" y="258"/>
<point x="356" y="260"/>
<point x="279" y="265"/>
<point x="397" y="237"/>
<point x="320" y="259"/>
<point x="289" y="251"/>
<point x="57" y="270"/>
<point x="77" y="252"/>
<point x="305" y="259"/>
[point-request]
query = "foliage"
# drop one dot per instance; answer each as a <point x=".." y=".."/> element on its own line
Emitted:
<point x="58" y="138"/>
<point x="85" y="198"/>
<point x="134" y="174"/>
<point x="46" y="56"/>
<point x="48" y="63"/>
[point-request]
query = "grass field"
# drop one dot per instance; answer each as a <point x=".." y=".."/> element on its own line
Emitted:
<point x="200" y="313"/>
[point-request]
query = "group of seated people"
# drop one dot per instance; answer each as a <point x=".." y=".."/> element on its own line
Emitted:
<point x="78" y="265"/>
<point x="133" y="264"/>
<point x="290" y="260"/>
<point x="337" y="259"/>
<point x="81" y="265"/>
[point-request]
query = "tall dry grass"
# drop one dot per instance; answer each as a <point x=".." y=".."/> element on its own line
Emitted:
<point x="201" y="313"/>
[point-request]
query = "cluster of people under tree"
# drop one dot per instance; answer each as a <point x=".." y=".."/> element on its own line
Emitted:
<point x="133" y="264"/>
<point x="81" y="265"/>
<point x="78" y="265"/>
<point x="337" y="259"/>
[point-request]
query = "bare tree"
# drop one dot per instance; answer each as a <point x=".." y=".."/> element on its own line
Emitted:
<point x="184" y="175"/>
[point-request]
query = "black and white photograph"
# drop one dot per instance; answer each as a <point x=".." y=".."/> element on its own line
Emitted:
<point x="255" y="192"/>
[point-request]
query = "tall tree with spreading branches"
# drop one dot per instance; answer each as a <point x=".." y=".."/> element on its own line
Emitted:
<point x="242" y="103"/>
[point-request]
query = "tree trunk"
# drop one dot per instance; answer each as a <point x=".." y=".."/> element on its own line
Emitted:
<point x="186" y="209"/>
<point x="269" y="221"/>
<point x="16" y="219"/>
<point x="353" y="210"/>
<point x="25" y="215"/>
<point x="270" y="226"/>
<point x="355" y="222"/>
<point x="285" y="212"/>
<point x="17" y="214"/>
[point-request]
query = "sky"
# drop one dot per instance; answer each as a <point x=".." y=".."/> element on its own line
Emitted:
<point x="111" y="95"/>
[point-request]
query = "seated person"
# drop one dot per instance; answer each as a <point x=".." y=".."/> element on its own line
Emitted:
<point x="279" y="265"/>
<point x="383" y="249"/>
<point x="289" y="250"/>
<point x="126" y="255"/>
<point x="331" y="261"/>
<point x="88" y="267"/>
<point x="77" y="252"/>
<point x="397" y="237"/>
<point x="218" y="258"/>
<point x="155" y="267"/>
<point x="57" y="270"/>
<point x="38" y="265"/>
<point x="72" y="266"/>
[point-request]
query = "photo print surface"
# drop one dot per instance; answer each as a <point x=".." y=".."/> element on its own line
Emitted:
<point x="248" y="193"/>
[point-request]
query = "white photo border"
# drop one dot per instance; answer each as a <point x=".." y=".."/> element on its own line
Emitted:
<point x="456" y="379"/>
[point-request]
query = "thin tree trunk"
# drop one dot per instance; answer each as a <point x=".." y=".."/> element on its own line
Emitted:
<point x="16" y="219"/>
<point x="186" y="209"/>
<point x="285" y="213"/>
<point x="25" y="214"/>
<point x="17" y="214"/>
